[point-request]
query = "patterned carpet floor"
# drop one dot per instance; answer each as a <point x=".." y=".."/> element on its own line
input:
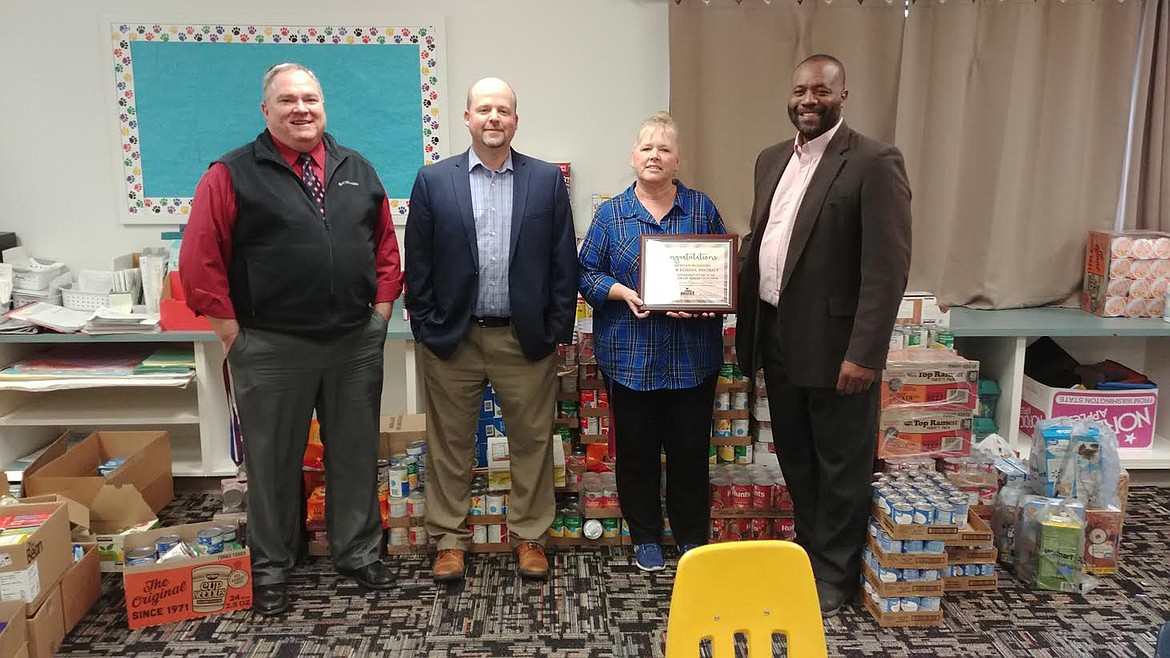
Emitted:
<point x="597" y="604"/>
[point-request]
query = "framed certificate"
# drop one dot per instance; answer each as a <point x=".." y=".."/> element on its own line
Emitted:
<point x="693" y="273"/>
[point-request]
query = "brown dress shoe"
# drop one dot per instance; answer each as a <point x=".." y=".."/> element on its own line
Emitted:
<point x="449" y="565"/>
<point x="533" y="563"/>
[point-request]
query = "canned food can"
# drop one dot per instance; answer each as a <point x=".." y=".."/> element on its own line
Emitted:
<point x="741" y="492"/>
<point x="911" y="575"/>
<point x="727" y="373"/>
<point x="573" y="526"/>
<point x="739" y="400"/>
<point x="892" y="501"/>
<point x="227" y="533"/>
<point x="721" y="427"/>
<point x="913" y="546"/>
<point x="923" y="512"/>
<point x="874" y="530"/>
<point x="987" y="569"/>
<point x="416" y="449"/>
<point x="903" y="514"/>
<point x="479" y="533"/>
<point x="398" y="482"/>
<point x="784" y="529"/>
<point x="890" y="604"/>
<point x="887" y="543"/>
<point x="910" y="604"/>
<point x="399" y="537"/>
<point x="723" y="401"/>
<point x="762" y="492"/>
<point x="960" y="503"/>
<point x="138" y="557"/>
<point x="478" y="503"/>
<point x="166" y="543"/>
<point x="889" y="574"/>
<point x="416" y="505"/>
<point x="495" y="504"/>
<point x="739" y="427"/>
<point x="210" y="539"/>
<point x="610" y="528"/>
<point x="725" y="454"/>
<point x="418" y="536"/>
<point x="411" y="465"/>
<point x="497" y="533"/>
<point x="557" y="529"/>
<point x="956" y="570"/>
<point x="384" y="477"/>
<point x="972" y="570"/>
<point x="743" y="454"/>
<point x="930" y="574"/>
<point x="929" y="604"/>
<point x="934" y="546"/>
<point x="987" y="496"/>
<point x="944" y="514"/>
<point x="398" y="508"/>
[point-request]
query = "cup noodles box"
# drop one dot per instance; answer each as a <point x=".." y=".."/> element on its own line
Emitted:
<point x="924" y="433"/>
<point x="1126" y="273"/>
<point x="185" y="588"/>
<point x="935" y="379"/>
<point x="1131" y="414"/>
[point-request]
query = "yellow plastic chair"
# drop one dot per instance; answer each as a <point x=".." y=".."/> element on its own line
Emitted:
<point x="752" y="587"/>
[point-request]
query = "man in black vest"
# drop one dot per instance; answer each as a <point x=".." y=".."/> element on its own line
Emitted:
<point x="290" y="254"/>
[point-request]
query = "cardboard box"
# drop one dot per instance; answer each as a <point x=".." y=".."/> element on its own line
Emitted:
<point x="923" y="433"/>
<point x="921" y="308"/>
<point x="143" y="484"/>
<point x="185" y="589"/>
<point x="903" y="588"/>
<point x="46" y="627"/>
<point x="1114" y="262"/>
<point x="1131" y="414"/>
<point x="30" y="569"/>
<point x="81" y="587"/>
<point x="399" y="431"/>
<point x="893" y="619"/>
<point x="12" y="637"/>
<point x="970" y="583"/>
<point x="22" y="652"/>
<point x="111" y="546"/>
<point x="933" y="379"/>
<point x="1102" y="540"/>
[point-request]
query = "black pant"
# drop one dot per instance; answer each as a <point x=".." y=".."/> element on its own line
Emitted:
<point x="279" y="380"/>
<point x="825" y="443"/>
<point x="679" y="421"/>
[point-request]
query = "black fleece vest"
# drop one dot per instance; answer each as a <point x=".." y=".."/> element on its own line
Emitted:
<point x="293" y="270"/>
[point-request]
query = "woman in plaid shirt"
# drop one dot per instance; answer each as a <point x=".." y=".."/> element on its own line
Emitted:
<point x="660" y="367"/>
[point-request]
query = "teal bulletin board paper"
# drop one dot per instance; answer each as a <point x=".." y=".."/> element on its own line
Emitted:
<point x="188" y="94"/>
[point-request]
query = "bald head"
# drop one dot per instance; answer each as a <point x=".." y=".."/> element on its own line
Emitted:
<point x="490" y="87"/>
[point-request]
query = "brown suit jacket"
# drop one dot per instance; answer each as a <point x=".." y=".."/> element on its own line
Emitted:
<point x="847" y="263"/>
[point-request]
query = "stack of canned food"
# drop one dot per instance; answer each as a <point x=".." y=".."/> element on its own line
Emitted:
<point x="754" y="486"/>
<point x="599" y="491"/>
<point x="922" y="498"/>
<point x="970" y="570"/>
<point x="569" y="519"/>
<point x="902" y="603"/>
<point x="921" y="335"/>
<point x="208" y="541"/>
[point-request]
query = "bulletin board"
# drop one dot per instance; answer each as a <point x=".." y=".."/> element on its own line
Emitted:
<point x="187" y="94"/>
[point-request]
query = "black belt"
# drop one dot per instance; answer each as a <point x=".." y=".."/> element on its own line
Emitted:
<point x="491" y="323"/>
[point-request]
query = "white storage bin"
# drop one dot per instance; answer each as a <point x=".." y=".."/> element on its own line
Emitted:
<point x="36" y="278"/>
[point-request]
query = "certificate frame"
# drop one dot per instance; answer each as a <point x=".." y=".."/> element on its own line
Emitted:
<point x="666" y="285"/>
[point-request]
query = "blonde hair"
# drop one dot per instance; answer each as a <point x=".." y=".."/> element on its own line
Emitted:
<point x="660" y="120"/>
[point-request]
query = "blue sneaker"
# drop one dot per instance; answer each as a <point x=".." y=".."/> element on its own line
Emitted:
<point x="648" y="557"/>
<point x="682" y="550"/>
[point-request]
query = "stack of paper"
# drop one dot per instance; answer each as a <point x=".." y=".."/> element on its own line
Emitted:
<point x="168" y="360"/>
<point x="51" y="316"/>
<point x="15" y="326"/>
<point x="107" y="321"/>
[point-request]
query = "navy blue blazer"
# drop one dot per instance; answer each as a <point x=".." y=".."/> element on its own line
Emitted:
<point x="442" y="256"/>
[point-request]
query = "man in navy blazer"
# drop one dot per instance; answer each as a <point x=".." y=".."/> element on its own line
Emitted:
<point x="491" y="273"/>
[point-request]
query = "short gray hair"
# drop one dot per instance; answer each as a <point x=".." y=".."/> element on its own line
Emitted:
<point x="283" y="67"/>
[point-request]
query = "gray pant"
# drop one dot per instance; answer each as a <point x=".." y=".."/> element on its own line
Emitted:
<point x="279" y="379"/>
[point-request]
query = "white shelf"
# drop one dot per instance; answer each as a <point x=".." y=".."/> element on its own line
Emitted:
<point x="148" y="406"/>
<point x="1154" y="457"/>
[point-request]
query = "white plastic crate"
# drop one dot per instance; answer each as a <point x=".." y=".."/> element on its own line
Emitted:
<point x="36" y="278"/>
<point x="22" y="297"/>
<point x="79" y="300"/>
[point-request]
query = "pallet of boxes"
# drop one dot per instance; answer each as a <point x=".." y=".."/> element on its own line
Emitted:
<point x="924" y="538"/>
<point x="114" y="483"/>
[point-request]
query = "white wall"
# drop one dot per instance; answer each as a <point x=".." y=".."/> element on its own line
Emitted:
<point x="586" y="73"/>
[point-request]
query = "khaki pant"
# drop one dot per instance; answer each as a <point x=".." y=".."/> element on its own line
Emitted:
<point x="454" y="392"/>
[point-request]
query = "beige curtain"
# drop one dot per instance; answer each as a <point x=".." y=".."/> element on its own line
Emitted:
<point x="1148" y="193"/>
<point x="1012" y="116"/>
<point x="731" y="71"/>
<point x="1013" y="120"/>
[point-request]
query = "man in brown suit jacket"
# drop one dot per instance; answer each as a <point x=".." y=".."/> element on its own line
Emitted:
<point x="822" y="273"/>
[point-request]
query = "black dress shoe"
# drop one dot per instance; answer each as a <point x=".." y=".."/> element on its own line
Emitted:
<point x="831" y="598"/>
<point x="374" y="575"/>
<point x="270" y="600"/>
